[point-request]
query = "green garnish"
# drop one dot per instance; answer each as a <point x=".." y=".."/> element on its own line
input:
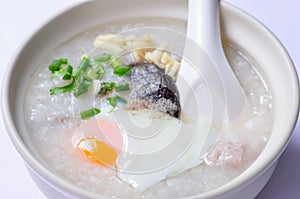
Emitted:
<point x="122" y="70"/>
<point x="85" y="55"/>
<point x="67" y="73"/>
<point x="63" y="89"/>
<point x="82" y="83"/>
<point x="60" y="68"/>
<point x="114" y="100"/>
<point x="105" y="87"/>
<point x="103" y="58"/>
<point x="123" y="86"/>
<point x="89" y="113"/>
<point x="56" y="64"/>
<point x="120" y="99"/>
<point x="87" y="71"/>
<point x="85" y="63"/>
<point x="109" y="86"/>
<point x="115" y="62"/>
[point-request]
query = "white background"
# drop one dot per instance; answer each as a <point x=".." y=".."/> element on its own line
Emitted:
<point x="19" y="18"/>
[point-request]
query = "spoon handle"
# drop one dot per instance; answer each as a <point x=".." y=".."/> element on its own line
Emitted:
<point x="204" y="29"/>
<point x="203" y="24"/>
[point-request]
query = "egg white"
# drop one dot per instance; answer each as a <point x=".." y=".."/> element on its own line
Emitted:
<point x="158" y="148"/>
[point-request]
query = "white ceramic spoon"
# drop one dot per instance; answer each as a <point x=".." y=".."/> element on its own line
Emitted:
<point x="204" y="29"/>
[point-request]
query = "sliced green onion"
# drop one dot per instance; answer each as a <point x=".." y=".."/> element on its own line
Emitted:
<point x="92" y="75"/>
<point x="67" y="74"/>
<point x="67" y="77"/>
<point x="103" y="58"/>
<point x="63" y="60"/>
<point x="82" y="88"/>
<point x="124" y="86"/>
<point x="100" y="70"/>
<point x="114" y="100"/>
<point x="120" y="100"/>
<point x="58" y="68"/>
<point x="69" y="69"/>
<point x="63" y="89"/>
<point x="81" y="82"/>
<point x="56" y="64"/>
<point x="122" y="70"/>
<point x="96" y="73"/>
<point x="89" y="113"/>
<point x="84" y="56"/>
<point x="85" y="63"/>
<point x="115" y="62"/>
<point x="105" y="87"/>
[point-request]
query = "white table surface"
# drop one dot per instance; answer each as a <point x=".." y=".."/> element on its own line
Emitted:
<point x="19" y="18"/>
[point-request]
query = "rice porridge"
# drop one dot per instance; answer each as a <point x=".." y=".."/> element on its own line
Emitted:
<point x="63" y="133"/>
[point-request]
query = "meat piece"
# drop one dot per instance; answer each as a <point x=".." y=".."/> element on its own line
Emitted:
<point x="228" y="152"/>
<point x="151" y="85"/>
<point x="168" y="101"/>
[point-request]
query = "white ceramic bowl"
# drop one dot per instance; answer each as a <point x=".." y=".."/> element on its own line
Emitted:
<point x="237" y="27"/>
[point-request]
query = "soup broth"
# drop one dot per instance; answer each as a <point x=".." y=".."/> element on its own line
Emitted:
<point x="53" y="122"/>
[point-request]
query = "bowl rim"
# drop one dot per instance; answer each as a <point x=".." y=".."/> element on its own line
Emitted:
<point x="29" y="158"/>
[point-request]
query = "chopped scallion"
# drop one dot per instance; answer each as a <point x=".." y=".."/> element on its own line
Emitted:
<point x="122" y="70"/>
<point x="67" y="74"/>
<point x="85" y="63"/>
<point x="63" y="89"/>
<point x="103" y="58"/>
<point x="89" y="113"/>
<point x="84" y="56"/>
<point x="114" y="100"/>
<point x="95" y="73"/>
<point x="60" y="68"/>
<point x="115" y="62"/>
<point x="124" y="86"/>
<point x="105" y="87"/>
<point x="56" y="64"/>
<point x="81" y="82"/>
<point x="120" y="99"/>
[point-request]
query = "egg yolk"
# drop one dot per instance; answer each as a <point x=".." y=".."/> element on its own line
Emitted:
<point x="98" y="151"/>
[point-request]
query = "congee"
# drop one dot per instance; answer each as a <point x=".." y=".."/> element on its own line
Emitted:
<point x="104" y="111"/>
